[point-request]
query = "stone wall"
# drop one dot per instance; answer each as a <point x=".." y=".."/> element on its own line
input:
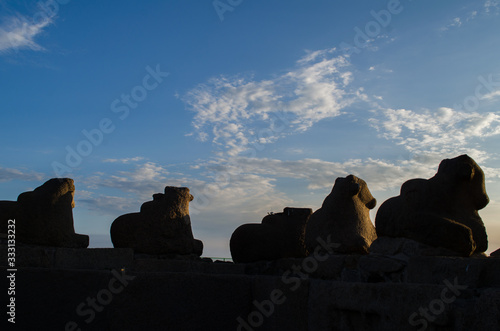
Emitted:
<point x="113" y="289"/>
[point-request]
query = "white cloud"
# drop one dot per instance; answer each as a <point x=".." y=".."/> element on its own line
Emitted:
<point x="19" y="32"/>
<point x="8" y="174"/>
<point x="472" y="16"/>
<point x="225" y="199"/>
<point x="144" y="180"/>
<point x="491" y="95"/>
<point x="240" y="195"/>
<point x="455" y="22"/>
<point x="320" y="174"/>
<point x="313" y="55"/>
<point x="107" y="204"/>
<point x="124" y="160"/>
<point x="135" y="185"/>
<point x="237" y="112"/>
<point x="459" y="21"/>
<point x="492" y="6"/>
<point x="295" y="150"/>
<point x="443" y="132"/>
<point x="240" y="113"/>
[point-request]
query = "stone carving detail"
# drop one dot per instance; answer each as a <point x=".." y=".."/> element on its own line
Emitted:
<point x="344" y="218"/>
<point x="440" y="211"/>
<point x="44" y="216"/>
<point x="163" y="226"/>
<point x="280" y="235"/>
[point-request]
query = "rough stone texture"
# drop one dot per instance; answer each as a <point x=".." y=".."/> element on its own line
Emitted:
<point x="93" y="258"/>
<point x="473" y="272"/>
<point x="405" y="248"/>
<point x="163" y="226"/>
<point x="335" y="292"/>
<point x="440" y="211"/>
<point x="69" y="258"/>
<point x="182" y="302"/>
<point x="151" y="264"/>
<point x="196" y="301"/>
<point x="344" y="218"/>
<point x="335" y="306"/>
<point x="280" y="235"/>
<point x="45" y="216"/>
<point x="375" y="269"/>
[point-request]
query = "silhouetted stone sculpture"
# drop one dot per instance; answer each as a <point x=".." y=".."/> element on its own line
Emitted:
<point x="280" y="235"/>
<point x="163" y="226"/>
<point x="440" y="211"/>
<point x="344" y="218"/>
<point x="44" y="216"/>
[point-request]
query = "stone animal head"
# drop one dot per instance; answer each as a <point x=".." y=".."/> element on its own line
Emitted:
<point x="173" y="203"/>
<point x="468" y="179"/>
<point x="52" y="192"/>
<point x="353" y="185"/>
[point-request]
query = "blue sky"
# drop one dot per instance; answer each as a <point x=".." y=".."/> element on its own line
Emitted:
<point x="253" y="105"/>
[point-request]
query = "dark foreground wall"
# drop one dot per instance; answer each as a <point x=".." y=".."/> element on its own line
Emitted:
<point x="113" y="289"/>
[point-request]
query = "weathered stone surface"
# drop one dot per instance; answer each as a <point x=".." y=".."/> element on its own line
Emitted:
<point x="69" y="258"/>
<point x="440" y="211"/>
<point x="484" y="315"/>
<point x="44" y="216"/>
<point x="344" y="218"/>
<point x="439" y="293"/>
<point x="380" y="268"/>
<point x="470" y="272"/>
<point x="332" y="267"/>
<point x="150" y="264"/>
<point x="182" y="301"/>
<point x="30" y="256"/>
<point x="93" y="258"/>
<point x="405" y="248"/>
<point x="357" y="306"/>
<point x="277" y="304"/>
<point x="163" y="226"/>
<point x="47" y="299"/>
<point x="280" y="235"/>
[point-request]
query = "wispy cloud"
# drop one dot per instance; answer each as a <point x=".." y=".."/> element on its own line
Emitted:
<point x="222" y="199"/>
<point x="238" y="112"/>
<point x="8" y="174"/>
<point x="491" y="96"/>
<point x="144" y="180"/>
<point x="443" y="132"/>
<point x="231" y="112"/>
<point x="124" y="160"/>
<point x="492" y="6"/>
<point x="321" y="174"/>
<point x="107" y="204"/>
<point x="489" y="7"/>
<point x="127" y="189"/>
<point x="19" y="32"/>
<point x="456" y="22"/>
<point x="472" y="16"/>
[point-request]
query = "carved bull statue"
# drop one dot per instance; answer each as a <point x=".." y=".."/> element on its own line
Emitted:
<point x="440" y="211"/>
<point x="344" y="218"/>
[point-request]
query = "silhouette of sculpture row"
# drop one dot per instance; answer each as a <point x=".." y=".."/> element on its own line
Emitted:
<point x="439" y="212"/>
